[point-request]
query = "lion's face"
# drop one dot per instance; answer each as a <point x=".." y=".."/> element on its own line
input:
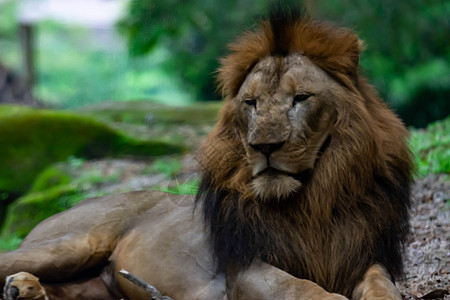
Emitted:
<point x="286" y="106"/>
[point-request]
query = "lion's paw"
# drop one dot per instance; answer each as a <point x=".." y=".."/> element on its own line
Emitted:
<point x="25" y="286"/>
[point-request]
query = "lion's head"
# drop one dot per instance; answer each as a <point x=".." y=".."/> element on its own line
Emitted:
<point x="304" y="155"/>
<point x="286" y="108"/>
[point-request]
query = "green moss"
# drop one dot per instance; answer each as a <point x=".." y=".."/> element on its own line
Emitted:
<point x="26" y="212"/>
<point x="55" y="189"/>
<point x="11" y="110"/>
<point x="144" y="112"/>
<point x="10" y="243"/>
<point x="32" y="139"/>
<point x="49" y="178"/>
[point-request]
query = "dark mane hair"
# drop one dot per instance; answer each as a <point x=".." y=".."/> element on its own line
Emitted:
<point x="352" y="211"/>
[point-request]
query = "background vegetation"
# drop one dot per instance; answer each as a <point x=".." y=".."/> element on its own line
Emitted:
<point x="407" y="56"/>
<point x="174" y="48"/>
<point x="65" y="58"/>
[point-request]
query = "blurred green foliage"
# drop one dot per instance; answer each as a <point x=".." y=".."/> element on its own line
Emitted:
<point x="10" y="52"/>
<point x="76" y="65"/>
<point x="7" y="20"/>
<point x="407" y="56"/>
<point x="73" y="70"/>
<point x="408" y="52"/>
<point x="195" y="32"/>
<point x="175" y="46"/>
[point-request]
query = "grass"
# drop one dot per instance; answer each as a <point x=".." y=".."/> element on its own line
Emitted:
<point x="431" y="148"/>
<point x="189" y="187"/>
<point x="168" y="166"/>
<point x="10" y="243"/>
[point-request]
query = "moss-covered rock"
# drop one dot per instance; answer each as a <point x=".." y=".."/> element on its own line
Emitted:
<point x="26" y="212"/>
<point x="49" y="178"/>
<point x="57" y="188"/>
<point x="31" y="139"/>
<point x="145" y="112"/>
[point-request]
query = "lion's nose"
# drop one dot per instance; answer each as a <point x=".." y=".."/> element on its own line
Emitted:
<point x="267" y="149"/>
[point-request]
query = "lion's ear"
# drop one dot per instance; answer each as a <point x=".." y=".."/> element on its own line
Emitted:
<point x="344" y="65"/>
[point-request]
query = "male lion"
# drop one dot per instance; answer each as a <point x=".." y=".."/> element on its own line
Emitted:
<point x="305" y="192"/>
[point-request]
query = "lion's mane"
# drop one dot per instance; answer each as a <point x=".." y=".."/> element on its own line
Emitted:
<point x="353" y="208"/>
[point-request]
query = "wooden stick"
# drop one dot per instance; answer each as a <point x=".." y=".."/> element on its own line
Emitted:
<point x="156" y="295"/>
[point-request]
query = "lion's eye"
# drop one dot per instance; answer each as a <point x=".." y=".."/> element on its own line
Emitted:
<point x="300" y="98"/>
<point x="250" y="102"/>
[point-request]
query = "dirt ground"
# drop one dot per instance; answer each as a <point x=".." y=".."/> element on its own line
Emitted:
<point x="427" y="259"/>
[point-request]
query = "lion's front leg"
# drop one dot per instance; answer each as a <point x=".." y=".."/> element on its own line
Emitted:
<point x="263" y="281"/>
<point x="25" y="286"/>
<point x="376" y="285"/>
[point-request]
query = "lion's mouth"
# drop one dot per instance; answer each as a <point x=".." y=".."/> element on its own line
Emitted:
<point x="272" y="170"/>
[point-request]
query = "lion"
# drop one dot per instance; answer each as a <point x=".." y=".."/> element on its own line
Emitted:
<point x="304" y="193"/>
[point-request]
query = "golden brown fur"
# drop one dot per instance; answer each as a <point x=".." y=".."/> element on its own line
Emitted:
<point x="351" y="209"/>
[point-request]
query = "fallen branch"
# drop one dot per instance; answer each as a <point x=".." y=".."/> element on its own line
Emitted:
<point x="156" y="295"/>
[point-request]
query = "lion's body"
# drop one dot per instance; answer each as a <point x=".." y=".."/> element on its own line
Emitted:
<point x="306" y="171"/>
<point x="81" y="240"/>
